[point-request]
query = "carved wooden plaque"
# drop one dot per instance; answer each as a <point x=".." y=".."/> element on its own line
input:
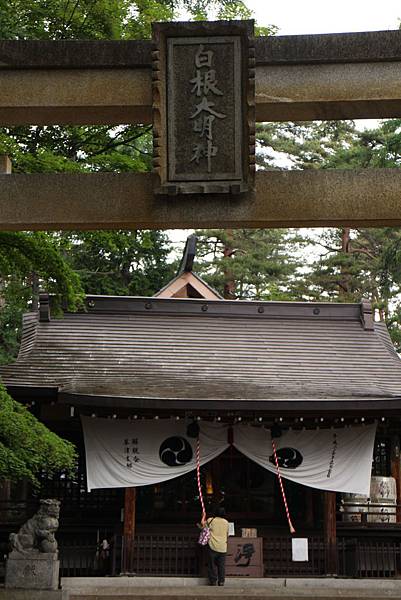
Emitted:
<point x="203" y="107"/>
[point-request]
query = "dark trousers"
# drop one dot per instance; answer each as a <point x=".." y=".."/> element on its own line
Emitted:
<point x="216" y="561"/>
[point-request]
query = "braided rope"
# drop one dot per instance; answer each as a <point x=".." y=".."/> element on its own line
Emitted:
<point x="287" y="512"/>
<point x="199" y="479"/>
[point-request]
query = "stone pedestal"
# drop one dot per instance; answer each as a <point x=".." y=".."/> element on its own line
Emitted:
<point x="39" y="572"/>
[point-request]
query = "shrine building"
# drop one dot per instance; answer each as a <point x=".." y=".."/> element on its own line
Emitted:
<point x="187" y="356"/>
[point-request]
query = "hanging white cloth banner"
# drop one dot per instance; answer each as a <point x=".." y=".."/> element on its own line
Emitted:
<point x="122" y="453"/>
<point x="337" y="460"/>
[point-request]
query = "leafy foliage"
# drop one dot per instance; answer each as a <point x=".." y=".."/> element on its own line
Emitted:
<point x="349" y="264"/>
<point x="85" y="148"/>
<point x="249" y="264"/>
<point x="22" y="253"/>
<point x="119" y="262"/>
<point x="27" y="260"/>
<point x="314" y="145"/>
<point x="27" y="447"/>
<point x="105" y="19"/>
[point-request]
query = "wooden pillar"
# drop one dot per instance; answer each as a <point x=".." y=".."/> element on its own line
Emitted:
<point x="395" y="471"/>
<point x="309" y="513"/>
<point x="129" y="511"/>
<point x="129" y="529"/>
<point x="330" y="532"/>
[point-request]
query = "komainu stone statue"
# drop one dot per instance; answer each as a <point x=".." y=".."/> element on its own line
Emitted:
<point x="33" y="561"/>
<point x="36" y="536"/>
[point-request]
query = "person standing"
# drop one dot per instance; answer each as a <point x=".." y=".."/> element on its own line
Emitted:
<point x="217" y="546"/>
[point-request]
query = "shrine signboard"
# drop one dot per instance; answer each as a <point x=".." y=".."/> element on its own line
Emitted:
<point x="244" y="557"/>
<point x="203" y="107"/>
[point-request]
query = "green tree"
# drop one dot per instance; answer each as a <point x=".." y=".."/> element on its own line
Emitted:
<point x="249" y="264"/>
<point x="309" y="145"/>
<point x="29" y="261"/>
<point x="27" y="447"/>
<point x="349" y="263"/>
<point x="107" y="19"/>
<point x="119" y="262"/>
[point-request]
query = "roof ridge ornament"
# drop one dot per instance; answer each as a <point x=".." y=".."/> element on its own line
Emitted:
<point x="367" y="315"/>
<point x="188" y="256"/>
<point x="44" y="307"/>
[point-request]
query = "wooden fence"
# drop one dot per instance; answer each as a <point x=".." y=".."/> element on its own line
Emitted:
<point x="180" y="555"/>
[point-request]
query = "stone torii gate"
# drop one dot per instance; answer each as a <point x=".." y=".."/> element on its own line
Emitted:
<point x="296" y="78"/>
<point x="335" y="76"/>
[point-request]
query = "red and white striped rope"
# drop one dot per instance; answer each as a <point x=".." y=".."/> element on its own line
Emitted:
<point x="292" y="530"/>
<point x="199" y="479"/>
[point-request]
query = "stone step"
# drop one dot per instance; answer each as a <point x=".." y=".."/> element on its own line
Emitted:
<point x="217" y="596"/>
<point x="236" y="585"/>
<point x="190" y="594"/>
<point x="229" y="593"/>
<point x="237" y="590"/>
<point x="186" y="588"/>
<point x="19" y="594"/>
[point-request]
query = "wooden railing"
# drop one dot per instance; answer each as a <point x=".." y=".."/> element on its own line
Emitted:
<point x="78" y="556"/>
<point x="368" y="558"/>
<point x="277" y="553"/>
<point x="180" y="555"/>
<point x="166" y="555"/>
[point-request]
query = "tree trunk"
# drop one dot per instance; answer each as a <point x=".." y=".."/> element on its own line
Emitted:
<point x="229" y="282"/>
<point x="345" y="277"/>
<point x="35" y="292"/>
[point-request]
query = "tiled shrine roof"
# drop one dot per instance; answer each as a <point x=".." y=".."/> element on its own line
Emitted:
<point x="142" y="352"/>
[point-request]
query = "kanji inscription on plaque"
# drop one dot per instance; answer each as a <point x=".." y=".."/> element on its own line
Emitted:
<point x="203" y="108"/>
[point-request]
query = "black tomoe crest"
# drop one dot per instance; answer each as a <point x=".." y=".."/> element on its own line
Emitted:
<point x="287" y="458"/>
<point x="175" y="452"/>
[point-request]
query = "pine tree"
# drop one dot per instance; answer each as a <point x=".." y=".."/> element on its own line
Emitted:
<point x="257" y="264"/>
<point x="351" y="264"/>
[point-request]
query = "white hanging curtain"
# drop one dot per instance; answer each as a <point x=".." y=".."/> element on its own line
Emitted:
<point x="338" y="460"/>
<point x="122" y="453"/>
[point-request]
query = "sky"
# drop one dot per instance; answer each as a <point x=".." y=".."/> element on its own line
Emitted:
<point x="323" y="16"/>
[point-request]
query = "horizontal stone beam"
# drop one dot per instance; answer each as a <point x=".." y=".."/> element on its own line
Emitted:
<point x="297" y="78"/>
<point x="369" y="46"/>
<point x="283" y="93"/>
<point x="369" y="197"/>
<point x="75" y="96"/>
<point x="328" y="91"/>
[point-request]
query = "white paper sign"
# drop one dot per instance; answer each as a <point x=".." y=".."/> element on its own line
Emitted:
<point x="231" y="529"/>
<point x="300" y="549"/>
